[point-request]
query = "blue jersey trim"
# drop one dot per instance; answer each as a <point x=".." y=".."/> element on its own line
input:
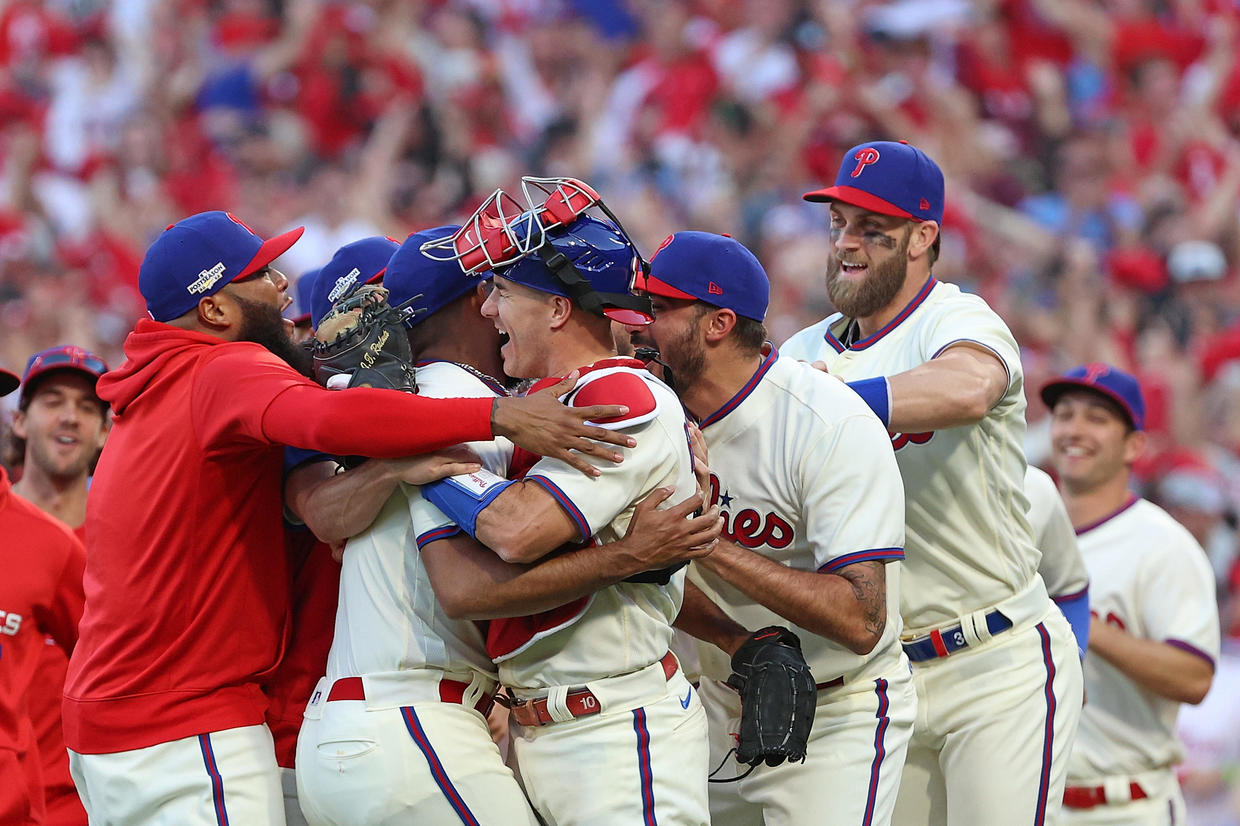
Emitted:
<point x="742" y="394"/>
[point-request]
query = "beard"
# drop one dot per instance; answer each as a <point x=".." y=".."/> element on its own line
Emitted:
<point x="60" y="468"/>
<point x="262" y="324"/>
<point x="864" y="298"/>
<point x="686" y="357"/>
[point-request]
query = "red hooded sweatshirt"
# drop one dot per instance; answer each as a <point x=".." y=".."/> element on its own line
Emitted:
<point x="186" y="579"/>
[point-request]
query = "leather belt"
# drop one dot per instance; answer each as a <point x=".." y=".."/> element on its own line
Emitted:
<point x="1087" y="797"/>
<point x="580" y="703"/>
<point x="450" y="691"/>
<point x="941" y="642"/>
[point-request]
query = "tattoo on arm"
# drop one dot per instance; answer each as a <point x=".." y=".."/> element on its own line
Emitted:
<point x="869" y="585"/>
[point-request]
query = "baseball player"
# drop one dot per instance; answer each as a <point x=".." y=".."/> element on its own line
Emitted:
<point x="59" y="428"/>
<point x="163" y="711"/>
<point x="813" y="502"/>
<point x="942" y="371"/>
<point x="40" y="598"/>
<point x="1155" y="634"/>
<point x="606" y="728"/>
<point x="352" y="266"/>
<point x="1061" y="566"/>
<point x="396" y="729"/>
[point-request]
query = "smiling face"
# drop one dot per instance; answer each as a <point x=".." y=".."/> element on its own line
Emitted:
<point x="868" y="261"/>
<point x="64" y="425"/>
<point x="1091" y="441"/>
<point x="523" y="317"/>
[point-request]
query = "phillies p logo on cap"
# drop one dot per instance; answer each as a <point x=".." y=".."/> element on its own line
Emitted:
<point x="865" y="156"/>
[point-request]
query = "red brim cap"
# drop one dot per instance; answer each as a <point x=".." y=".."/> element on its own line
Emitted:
<point x="377" y="277"/>
<point x="300" y="320"/>
<point x="630" y="318"/>
<point x="856" y="197"/>
<point x="8" y="382"/>
<point x="271" y="249"/>
<point x="655" y="286"/>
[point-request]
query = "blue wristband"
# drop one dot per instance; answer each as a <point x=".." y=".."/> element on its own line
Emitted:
<point x="462" y="498"/>
<point x="1076" y="611"/>
<point x="877" y="394"/>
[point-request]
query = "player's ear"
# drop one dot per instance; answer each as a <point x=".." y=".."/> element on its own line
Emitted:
<point x="1134" y="446"/>
<point x="922" y="238"/>
<point x="216" y="311"/>
<point x="561" y="309"/>
<point x="19" y="423"/>
<point x="719" y="324"/>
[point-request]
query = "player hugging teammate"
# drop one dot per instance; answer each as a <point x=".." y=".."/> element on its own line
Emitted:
<point x="478" y="623"/>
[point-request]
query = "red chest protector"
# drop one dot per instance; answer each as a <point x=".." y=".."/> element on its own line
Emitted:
<point x="507" y="637"/>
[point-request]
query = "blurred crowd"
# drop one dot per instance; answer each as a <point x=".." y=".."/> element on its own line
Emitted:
<point x="1091" y="148"/>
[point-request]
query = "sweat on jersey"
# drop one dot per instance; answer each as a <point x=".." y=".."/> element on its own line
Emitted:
<point x="40" y="597"/>
<point x="968" y="543"/>
<point x="186" y="578"/>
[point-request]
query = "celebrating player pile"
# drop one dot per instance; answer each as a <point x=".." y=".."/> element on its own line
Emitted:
<point x="849" y="542"/>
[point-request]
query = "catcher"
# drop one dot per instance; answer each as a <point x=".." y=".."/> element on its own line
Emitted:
<point x="814" y="527"/>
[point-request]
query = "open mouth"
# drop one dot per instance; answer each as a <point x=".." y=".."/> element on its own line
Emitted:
<point x="504" y="338"/>
<point x="852" y="269"/>
<point x="66" y="440"/>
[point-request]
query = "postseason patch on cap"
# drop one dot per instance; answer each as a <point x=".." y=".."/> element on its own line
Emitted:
<point x="344" y="284"/>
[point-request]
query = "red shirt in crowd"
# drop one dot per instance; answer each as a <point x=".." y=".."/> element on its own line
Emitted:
<point x="187" y="585"/>
<point x="40" y="596"/>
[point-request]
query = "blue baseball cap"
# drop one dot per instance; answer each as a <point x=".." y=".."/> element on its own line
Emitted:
<point x="715" y="269"/>
<point x="411" y="273"/>
<point x="197" y="256"/>
<point x="355" y="264"/>
<point x="1111" y="382"/>
<point x="602" y="254"/>
<point x="890" y="178"/>
<point x="305" y="286"/>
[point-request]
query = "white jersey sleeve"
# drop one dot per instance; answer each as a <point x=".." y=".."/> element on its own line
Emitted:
<point x="854" y="502"/>
<point x="1062" y="568"/>
<point x="969" y="321"/>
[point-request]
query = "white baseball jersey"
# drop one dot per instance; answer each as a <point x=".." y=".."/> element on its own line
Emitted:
<point x="1149" y="577"/>
<point x="388" y="618"/>
<point x="1062" y="568"/>
<point x="968" y="543"/>
<point x="805" y="476"/>
<point x="626" y="626"/>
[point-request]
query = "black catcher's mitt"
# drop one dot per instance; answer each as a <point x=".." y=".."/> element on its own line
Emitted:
<point x="778" y="697"/>
<point x="362" y="338"/>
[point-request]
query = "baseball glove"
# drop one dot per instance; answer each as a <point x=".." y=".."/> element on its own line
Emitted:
<point x="362" y="338"/>
<point x="778" y="697"/>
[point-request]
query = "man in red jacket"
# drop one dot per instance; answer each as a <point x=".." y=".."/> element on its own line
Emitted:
<point x="40" y="597"/>
<point x="58" y="430"/>
<point x="186" y="580"/>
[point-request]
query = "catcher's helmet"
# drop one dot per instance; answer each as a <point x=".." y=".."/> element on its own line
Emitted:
<point x="591" y="261"/>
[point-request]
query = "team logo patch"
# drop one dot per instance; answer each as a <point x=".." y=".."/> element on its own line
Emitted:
<point x="343" y="284"/>
<point x="924" y="206"/>
<point x="864" y="157"/>
<point x="714" y="289"/>
<point x="206" y="279"/>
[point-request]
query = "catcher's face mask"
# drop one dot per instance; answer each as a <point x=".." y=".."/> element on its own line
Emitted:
<point x="552" y="246"/>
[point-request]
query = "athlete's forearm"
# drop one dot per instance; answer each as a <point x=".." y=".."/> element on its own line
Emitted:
<point x="957" y="388"/>
<point x="472" y="583"/>
<point x="702" y="619"/>
<point x="1158" y="667"/>
<point x="851" y="610"/>
<point x="525" y="523"/>
<point x="336" y="506"/>
<point x="378" y="423"/>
